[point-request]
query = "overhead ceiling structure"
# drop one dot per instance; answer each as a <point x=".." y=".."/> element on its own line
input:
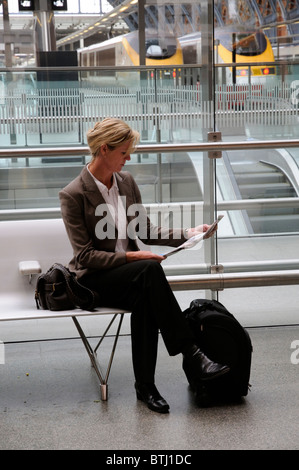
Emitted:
<point x="278" y="18"/>
<point x="114" y="22"/>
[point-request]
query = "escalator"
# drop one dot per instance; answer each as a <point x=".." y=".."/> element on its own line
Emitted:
<point x="261" y="180"/>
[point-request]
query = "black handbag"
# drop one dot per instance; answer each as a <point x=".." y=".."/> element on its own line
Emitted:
<point x="58" y="289"/>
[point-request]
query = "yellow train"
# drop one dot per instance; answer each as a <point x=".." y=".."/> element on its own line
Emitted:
<point x="233" y="47"/>
<point x="123" y="50"/>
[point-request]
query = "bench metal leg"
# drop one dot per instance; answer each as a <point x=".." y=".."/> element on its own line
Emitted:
<point x="104" y="392"/>
<point x="92" y="353"/>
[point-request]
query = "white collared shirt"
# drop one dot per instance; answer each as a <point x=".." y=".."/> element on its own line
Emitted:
<point x="112" y="197"/>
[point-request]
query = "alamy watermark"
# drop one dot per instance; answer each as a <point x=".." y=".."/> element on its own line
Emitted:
<point x="2" y="353"/>
<point x="137" y="221"/>
<point x="295" y="353"/>
<point x="295" y="92"/>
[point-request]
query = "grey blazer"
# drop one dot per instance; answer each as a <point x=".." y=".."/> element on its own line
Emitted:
<point x="80" y="202"/>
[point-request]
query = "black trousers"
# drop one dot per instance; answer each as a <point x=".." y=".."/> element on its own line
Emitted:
<point x="142" y="288"/>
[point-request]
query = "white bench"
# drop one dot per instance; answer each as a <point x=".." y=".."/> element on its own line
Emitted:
<point x="27" y="248"/>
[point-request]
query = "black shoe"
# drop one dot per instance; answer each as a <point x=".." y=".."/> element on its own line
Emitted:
<point x="148" y="393"/>
<point x="201" y="367"/>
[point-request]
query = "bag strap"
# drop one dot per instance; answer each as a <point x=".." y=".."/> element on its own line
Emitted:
<point x="204" y="305"/>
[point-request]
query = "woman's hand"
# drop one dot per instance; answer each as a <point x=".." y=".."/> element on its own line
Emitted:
<point x="201" y="229"/>
<point x="138" y="255"/>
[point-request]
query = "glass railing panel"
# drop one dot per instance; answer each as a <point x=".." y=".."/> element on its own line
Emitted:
<point x="258" y="192"/>
<point x="169" y="184"/>
<point x="257" y="106"/>
<point x="40" y="108"/>
<point x="44" y="107"/>
<point x="167" y="177"/>
<point x="30" y="182"/>
<point x="294" y="153"/>
<point x="165" y="105"/>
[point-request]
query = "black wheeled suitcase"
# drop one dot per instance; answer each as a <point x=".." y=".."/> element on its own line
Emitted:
<point x="223" y="339"/>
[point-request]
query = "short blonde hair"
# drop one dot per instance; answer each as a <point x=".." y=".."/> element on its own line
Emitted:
<point x="112" y="132"/>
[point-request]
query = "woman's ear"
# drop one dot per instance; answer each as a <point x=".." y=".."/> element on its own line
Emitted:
<point x="103" y="149"/>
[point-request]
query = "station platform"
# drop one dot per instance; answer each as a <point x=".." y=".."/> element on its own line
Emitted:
<point x="50" y="400"/>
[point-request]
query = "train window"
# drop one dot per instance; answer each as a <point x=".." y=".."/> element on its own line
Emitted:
<point x="190" y="54"/>
<point x="154" y="51"/>
<point x="84" y="60"/>
<point x="106" y="57"/>
<point x="245" y="43"/>
<point x="91" y="63"/>
<point x="158" y="48"/>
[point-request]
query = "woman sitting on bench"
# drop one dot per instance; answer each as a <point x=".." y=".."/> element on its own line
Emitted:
<point x="103" y="215"/>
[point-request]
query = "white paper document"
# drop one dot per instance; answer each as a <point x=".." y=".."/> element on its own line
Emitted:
<point x="191" y="242"/>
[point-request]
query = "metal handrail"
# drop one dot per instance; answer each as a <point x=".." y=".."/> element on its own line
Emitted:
<point x="233" y="267"/>
<point x="240" y="204"/>
<point x="79" y="150"/>
<point x="122" y="68"/>
<point x="216" y="282"/>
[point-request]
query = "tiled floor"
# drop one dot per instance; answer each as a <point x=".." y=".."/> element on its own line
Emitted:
<point x="49" y="399"/>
